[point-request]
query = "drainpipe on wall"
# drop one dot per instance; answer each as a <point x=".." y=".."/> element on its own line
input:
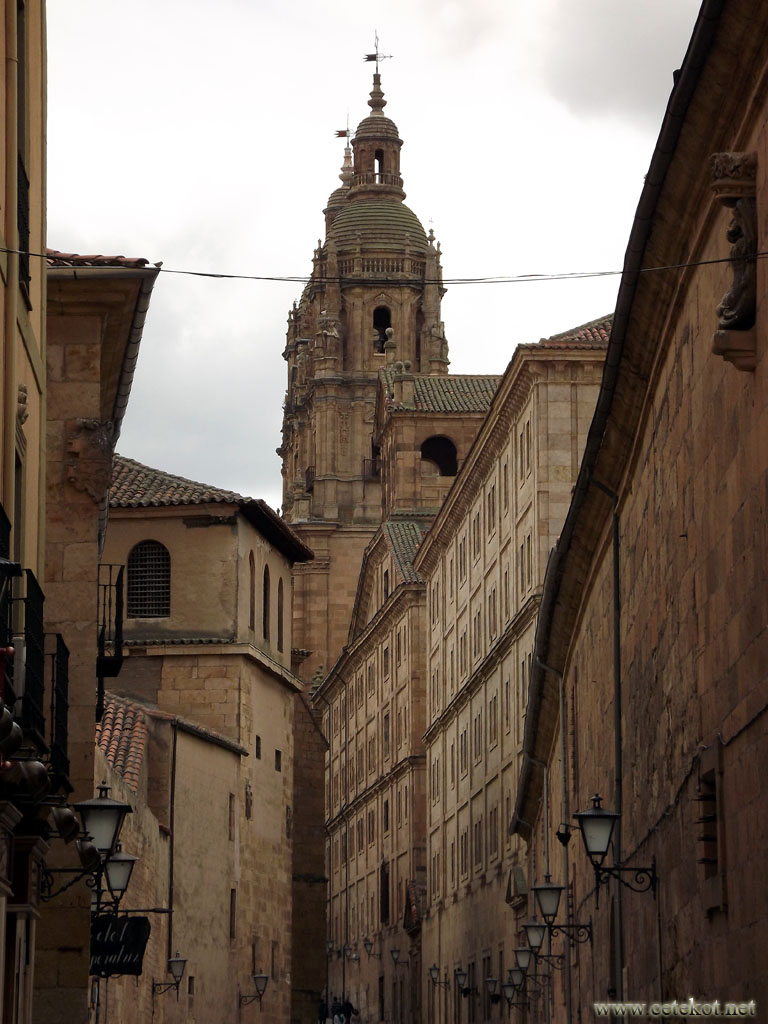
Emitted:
<point x="172" y="822"/>
<point x="566" y="818"/>
<point x="617" y="746"/>
<point x="10" y="397"/>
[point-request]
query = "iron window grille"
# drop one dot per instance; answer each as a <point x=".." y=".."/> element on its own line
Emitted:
<point x="149" y="581"/>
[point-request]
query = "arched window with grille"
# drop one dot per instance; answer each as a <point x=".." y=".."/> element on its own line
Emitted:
<point x="149" y="581"/>
<point x="265" y="604"/>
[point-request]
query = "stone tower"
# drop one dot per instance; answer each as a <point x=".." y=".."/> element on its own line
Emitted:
<point x="373" y="298"/>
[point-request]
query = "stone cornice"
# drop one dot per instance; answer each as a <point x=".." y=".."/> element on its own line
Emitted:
<point x="528" y="366"/>
<point x="499" y="650"/>
<point x="382" y="782"/>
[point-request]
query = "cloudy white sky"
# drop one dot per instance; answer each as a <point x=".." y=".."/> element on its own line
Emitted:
<point x="201" y="134"/>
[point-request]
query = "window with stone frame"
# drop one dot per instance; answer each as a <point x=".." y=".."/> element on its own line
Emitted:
<point x="149" y="581"/>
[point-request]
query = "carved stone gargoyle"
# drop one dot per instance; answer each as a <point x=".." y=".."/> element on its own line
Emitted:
<point x="733" y="183"/>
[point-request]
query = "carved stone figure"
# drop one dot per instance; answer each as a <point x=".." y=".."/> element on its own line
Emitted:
<point x="89" y="457"/>
<point x="733" y="182"/>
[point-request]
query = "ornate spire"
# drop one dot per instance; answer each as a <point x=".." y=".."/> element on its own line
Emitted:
<point x="377" y="101"/>
<point x="347" y="171"/>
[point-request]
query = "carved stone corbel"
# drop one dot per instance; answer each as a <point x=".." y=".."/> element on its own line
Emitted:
<point x="89" y="457"/>
<point x="733" y="183"/>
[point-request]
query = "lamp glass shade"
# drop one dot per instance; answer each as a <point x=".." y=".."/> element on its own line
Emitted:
<point x="523" y="958"/>
<point x="516" y="976"/>
<point x="490" y="984"/>
<point x="329" y="946"/>
<point x="103" y="818"/>
<point x="596" y="826"/>
<point x="534" y="932"/>
<point x="176" y="965"/>
<point x="548" y="899"/>
<point x="509" y="991"/>
<point x="434" y="973"/>
<point x="368" y="946"/>
<point x="260" y="981"/>
<point x="395" y="954"/>
<point x="118" y="870"/>
<point x="461" y="977"/>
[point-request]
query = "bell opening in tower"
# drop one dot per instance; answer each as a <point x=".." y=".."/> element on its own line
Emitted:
<point x="382" y="319"/>
<point x="378" y="165"/>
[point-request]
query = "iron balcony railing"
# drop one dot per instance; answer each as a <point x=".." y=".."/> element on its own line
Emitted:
<point x="109" y="635"/>
<point x="24" y="682"/>
<point x="110" y="620"/>
<point x="58" y="654"/>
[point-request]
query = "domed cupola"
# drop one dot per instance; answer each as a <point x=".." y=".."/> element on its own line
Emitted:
<point x="371" y="216"/>
<point x="377" y="149"/>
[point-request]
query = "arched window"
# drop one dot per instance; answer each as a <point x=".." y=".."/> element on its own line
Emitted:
<point x="251" y="591"/>
<point x="378" y="164"/>
<point x="439" y="453"/>
<point x="382" y="319"/>
<point x="265" y="605"/>
<point x="149" y="581"/>
<point x="280" y="614"/>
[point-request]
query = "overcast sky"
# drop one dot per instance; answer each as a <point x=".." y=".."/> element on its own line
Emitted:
<point x="200" y="133"/>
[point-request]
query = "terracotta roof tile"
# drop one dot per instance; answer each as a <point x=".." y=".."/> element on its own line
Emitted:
<point x="137" y="486"/>
<point x="405" y="536"/>
<point x="595" y="334"/>
<point x="74" y="259"/>
<point x="448" y="392"/>
<point x="122" y="736"/>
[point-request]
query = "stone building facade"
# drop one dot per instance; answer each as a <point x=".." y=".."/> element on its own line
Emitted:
<point x="483" y="563"/>
<point x="207" y="636"/>
<point x="649" y="684"/>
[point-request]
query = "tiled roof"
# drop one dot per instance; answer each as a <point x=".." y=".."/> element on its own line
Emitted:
<point x="74" y="259"/>
<point x="449" y="392"/>
<point x="405" y="536"/>
<point x="595" y="334"/>
<point x="137" y="486"/>
<point x="122" y="736"/>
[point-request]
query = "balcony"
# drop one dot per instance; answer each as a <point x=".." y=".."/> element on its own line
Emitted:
<point x="109" y="628"/>
<point x="24" y="682"/>
<point x="110" y="620"/>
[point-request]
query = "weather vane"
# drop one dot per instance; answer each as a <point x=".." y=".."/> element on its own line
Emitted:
<point x="377" y="56"/>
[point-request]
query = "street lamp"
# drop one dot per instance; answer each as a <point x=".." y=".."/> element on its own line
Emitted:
<point x="490" y="987"/>
<point x="117" y="871"/>
<point x="596" y="826"/>
<point x="103" y="818"/>
<point x="260" y="984"/>
<point x="395" y="954"/>
<point x="548" y="900"/>
<point x="176" y="965"/>
<point x="368" y="947"/>
<point x="523" y="958"/>
<point x="534" y="933"/>
<point x="434" y="974"/>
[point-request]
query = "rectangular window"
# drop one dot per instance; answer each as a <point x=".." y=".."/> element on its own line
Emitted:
<point x="529" y="559"/>
<point x="505" y="485"/>
<point x="386" y="662"/>
<point x="385" y="816"/>
<point x="385" y="734"/>
<point x="278" y="760"/>
<point x="232" y="913"/>
<point x="257" y="748"/>
<point x="232" y="816"/>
